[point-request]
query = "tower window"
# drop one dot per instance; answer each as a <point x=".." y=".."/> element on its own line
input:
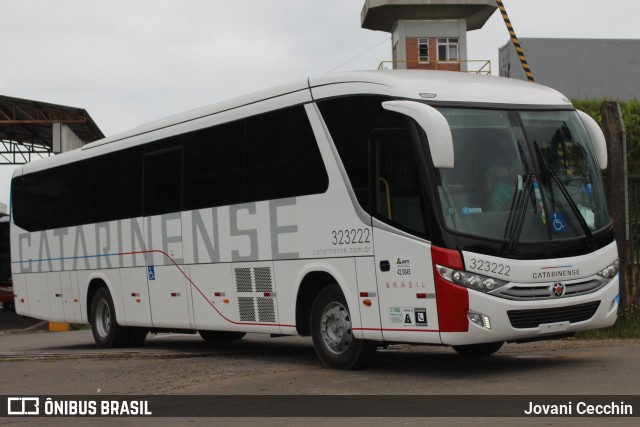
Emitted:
<point x="448" y="49"/>
<point x="423" y="49"/>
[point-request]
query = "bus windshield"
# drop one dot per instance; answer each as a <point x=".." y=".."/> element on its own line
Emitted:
<point x="532" y="170"/>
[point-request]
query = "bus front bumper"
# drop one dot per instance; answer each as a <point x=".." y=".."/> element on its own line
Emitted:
<point x="499" y="319"/>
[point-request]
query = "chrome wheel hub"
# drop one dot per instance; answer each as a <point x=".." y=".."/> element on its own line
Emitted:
<point x="335" y="328"/>
<point x="103" y="318"/>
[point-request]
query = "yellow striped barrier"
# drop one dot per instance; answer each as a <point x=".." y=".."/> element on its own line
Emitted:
<point x="516" y="42"/>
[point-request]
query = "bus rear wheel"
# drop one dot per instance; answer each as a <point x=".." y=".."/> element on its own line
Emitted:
<point x="332" y="332"/>
<point x="478" y="350"/>
<point x="104" y="325"/>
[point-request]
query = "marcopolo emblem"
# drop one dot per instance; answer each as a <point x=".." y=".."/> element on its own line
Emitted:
<point x="558" y="289"/>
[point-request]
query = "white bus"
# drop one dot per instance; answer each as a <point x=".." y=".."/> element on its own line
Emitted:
<point x="361" y="209"/>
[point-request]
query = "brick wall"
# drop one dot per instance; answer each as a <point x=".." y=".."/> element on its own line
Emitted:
<point x="413" y="57"/>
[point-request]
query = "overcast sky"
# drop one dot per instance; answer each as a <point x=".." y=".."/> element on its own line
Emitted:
<point x="131" y="61"/>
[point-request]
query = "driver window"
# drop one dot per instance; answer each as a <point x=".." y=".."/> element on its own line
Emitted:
<point x="397" y="191"/>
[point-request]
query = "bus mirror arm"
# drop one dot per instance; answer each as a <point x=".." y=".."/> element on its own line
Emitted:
<point x="598" y="140"/>
<point x="434" y="124"/>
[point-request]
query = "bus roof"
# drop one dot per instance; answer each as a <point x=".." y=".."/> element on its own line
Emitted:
<point x="432" y="86"/>
<point x="452" y="86"/>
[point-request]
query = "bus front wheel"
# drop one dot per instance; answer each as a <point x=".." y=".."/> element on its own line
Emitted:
<point x="104" y="325"/>
<point x="332" y="332"/>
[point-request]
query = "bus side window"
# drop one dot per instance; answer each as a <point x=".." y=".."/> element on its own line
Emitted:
<point x="162" y="182"/>
<point x="282" y="156"/>
<point x="397" y="190"/>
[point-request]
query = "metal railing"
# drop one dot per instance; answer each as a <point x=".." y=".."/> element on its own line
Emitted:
<point x="476" y="66"/>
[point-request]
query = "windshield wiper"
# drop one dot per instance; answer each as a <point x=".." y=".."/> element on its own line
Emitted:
<point x="591" y="242"/>
<point x="517" y="214"/>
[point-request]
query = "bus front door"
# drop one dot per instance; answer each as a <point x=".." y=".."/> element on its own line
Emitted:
<point x="403" y="266"/>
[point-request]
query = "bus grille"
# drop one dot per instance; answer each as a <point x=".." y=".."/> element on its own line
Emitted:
<point x="256" y="299"/>
<point x="521" y="319"/>
<point x="243" y="280"/>
<point x="247" y="309"/>
<point x="545" y="291"/>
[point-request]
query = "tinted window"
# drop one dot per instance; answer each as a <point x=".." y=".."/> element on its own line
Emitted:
<point x="398" y="195"/>
<point x="350" y="121"/>
<point x="68" y="188"/>
<point x="270" y="156"/>
<point x="282" y="156"/>
<point x="55" y="198"/>
<point x="214" y="161"/>
<point x="162" y="182"/>
<point x="29" y="201"/>
<point x="116" y="186"/>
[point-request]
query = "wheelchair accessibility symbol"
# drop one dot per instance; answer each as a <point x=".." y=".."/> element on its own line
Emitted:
<point x="558" y="222"/>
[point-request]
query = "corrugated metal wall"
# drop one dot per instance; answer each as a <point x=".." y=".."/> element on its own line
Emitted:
<point x="580" y="68"/>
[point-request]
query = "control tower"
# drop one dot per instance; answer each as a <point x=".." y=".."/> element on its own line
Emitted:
<point x="428" y="34"/>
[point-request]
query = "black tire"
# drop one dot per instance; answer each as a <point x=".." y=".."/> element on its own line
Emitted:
<point x="216" y="336"/>
<point x="332" y="335"/>
<point x="104" y="323"/>
<point x="478" y="350"/>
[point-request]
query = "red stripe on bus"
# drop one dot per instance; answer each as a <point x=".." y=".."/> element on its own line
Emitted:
<point x="395" y="330"/>
<point x="200" y="292"/>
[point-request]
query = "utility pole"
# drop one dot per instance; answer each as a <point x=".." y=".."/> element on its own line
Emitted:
<point x="613" y="127"/>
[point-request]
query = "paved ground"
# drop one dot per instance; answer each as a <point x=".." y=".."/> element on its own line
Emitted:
<point x="9" y="320"/>
<point x="68" y="363"/>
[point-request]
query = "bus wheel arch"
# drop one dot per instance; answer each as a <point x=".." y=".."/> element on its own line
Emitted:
<point x="101" y="312"/>
<point x="309" y="288"/>
<point x="94" y="285"/>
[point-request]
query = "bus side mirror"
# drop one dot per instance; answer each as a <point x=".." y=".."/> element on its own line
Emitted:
<point x="435" y="126"/>
<point x="598" y="141"/>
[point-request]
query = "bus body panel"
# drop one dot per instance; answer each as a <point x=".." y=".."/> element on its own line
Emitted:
<point x="54" y="290"/>
<point x="36" y="292"/>
<point x="135" y="297"/>
<point x="535" y="271"/>
<point x="169" y="297"/>
<point x="70" y="296"/>
<point x="369" y="298"/>
<point x="408" y="308"/>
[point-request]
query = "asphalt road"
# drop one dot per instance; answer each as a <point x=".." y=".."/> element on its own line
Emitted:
<point x="68" y="363"/>
<point x="9" y="320"/>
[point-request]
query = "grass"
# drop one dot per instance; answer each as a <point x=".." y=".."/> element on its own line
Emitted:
<point x="626" y="327"/>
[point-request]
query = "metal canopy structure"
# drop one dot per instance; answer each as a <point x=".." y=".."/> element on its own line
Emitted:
<point x="26" y="128"/>
<point x="382" y="15"/>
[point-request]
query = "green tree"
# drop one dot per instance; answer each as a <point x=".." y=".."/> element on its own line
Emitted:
<point x="631" y="117"/>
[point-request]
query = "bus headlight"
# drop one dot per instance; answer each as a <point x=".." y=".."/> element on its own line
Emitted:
<point x="610" y="271"/>
<point x="470" y="280"/>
